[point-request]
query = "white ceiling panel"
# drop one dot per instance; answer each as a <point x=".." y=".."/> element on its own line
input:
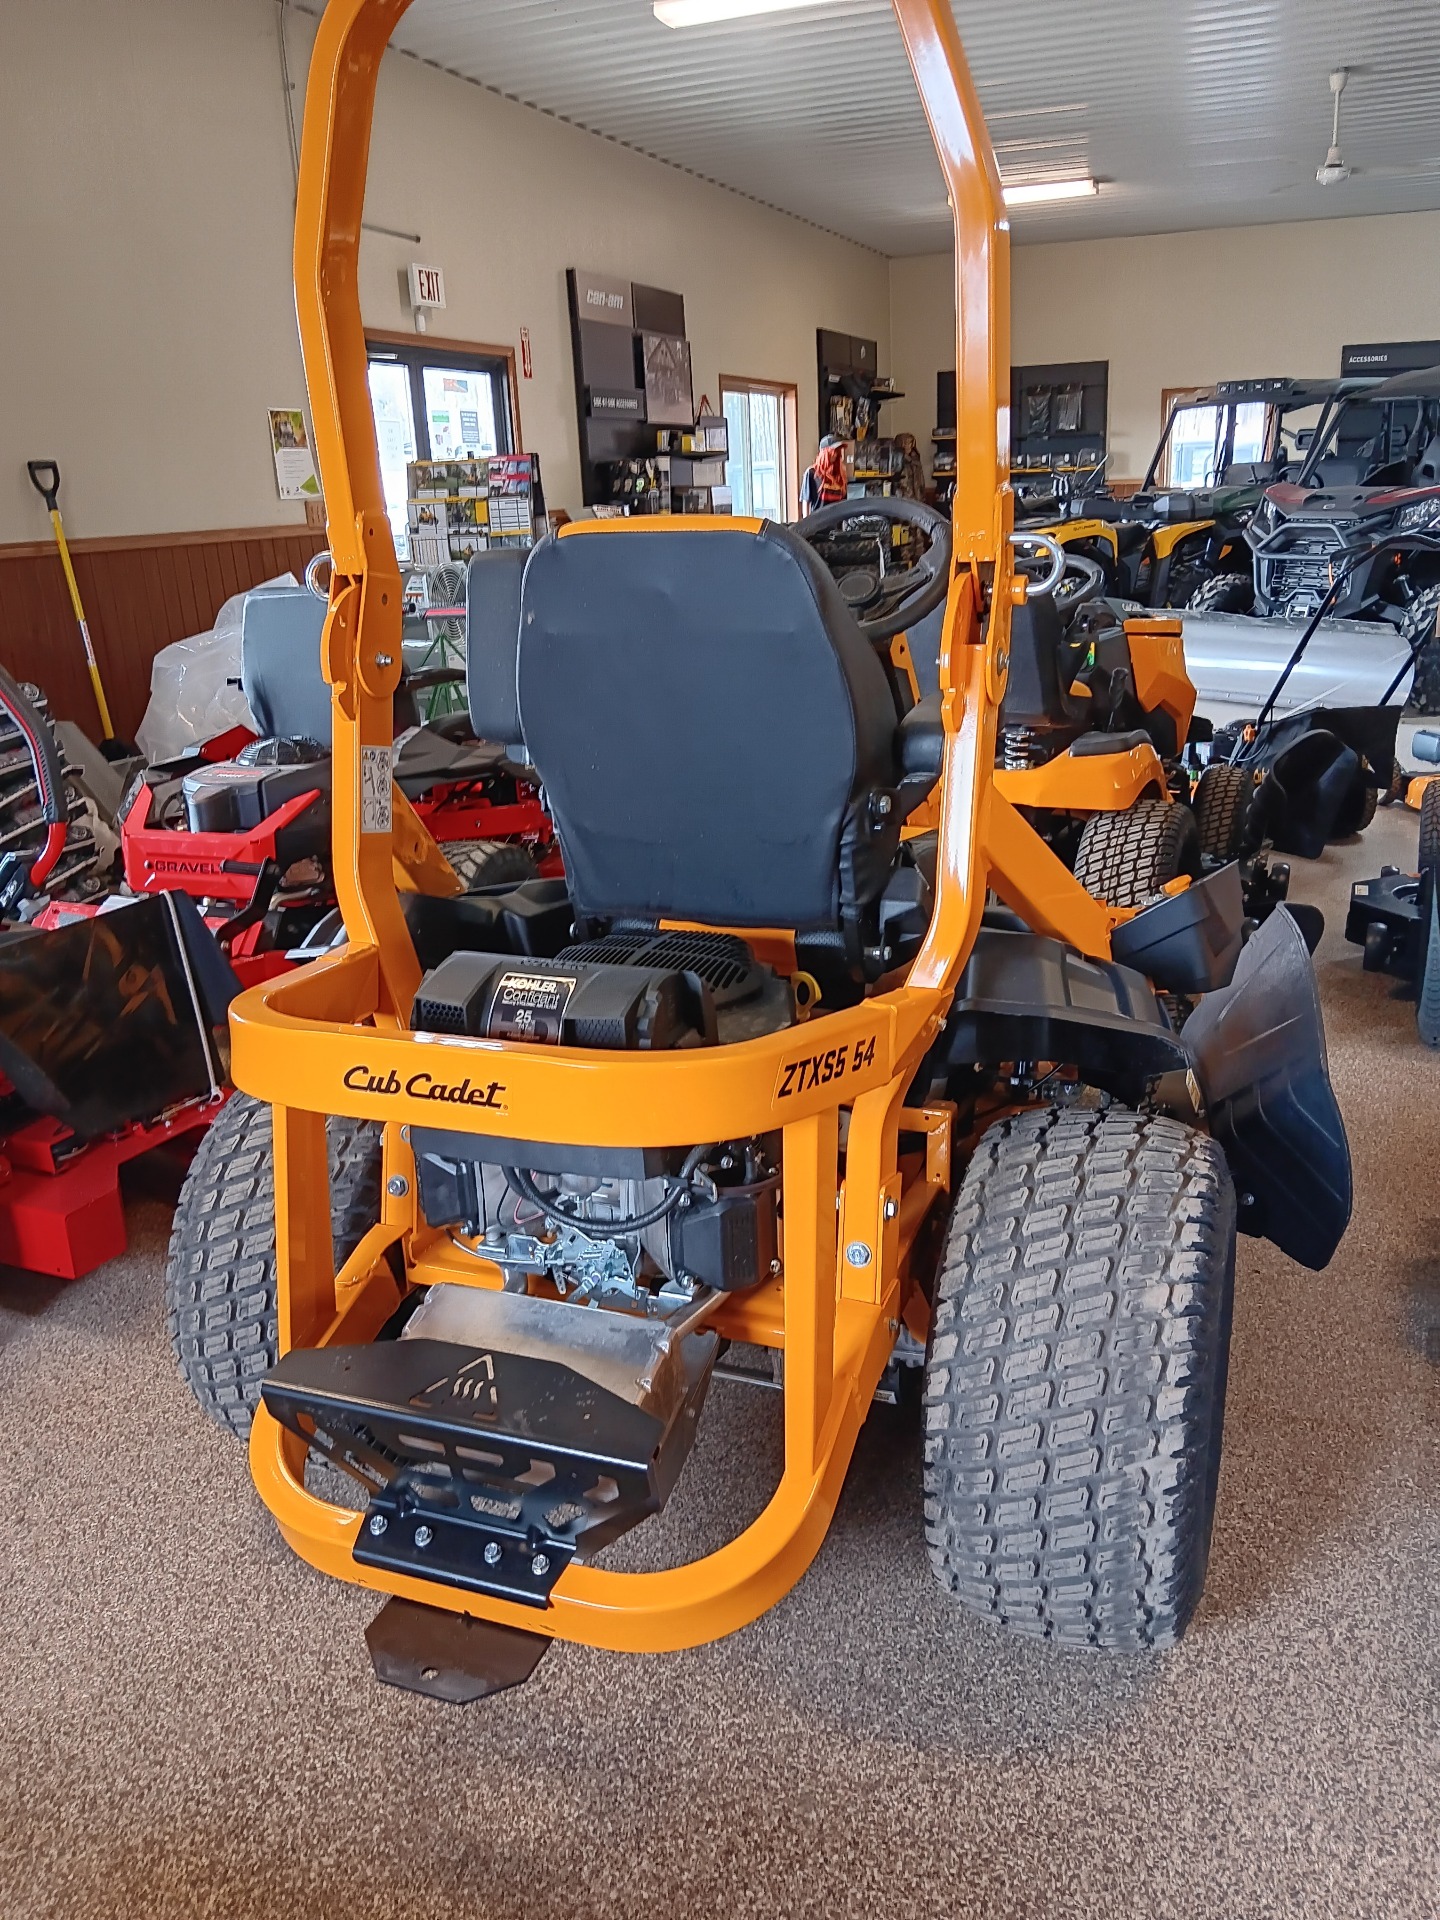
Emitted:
<point x="1192" y="113"/>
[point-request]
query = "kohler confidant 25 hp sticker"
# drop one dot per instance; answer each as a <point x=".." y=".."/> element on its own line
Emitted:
<point x="530" y="1006"/>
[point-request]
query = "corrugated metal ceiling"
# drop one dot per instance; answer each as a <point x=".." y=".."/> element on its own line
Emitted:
<point x="1193" y="113"/>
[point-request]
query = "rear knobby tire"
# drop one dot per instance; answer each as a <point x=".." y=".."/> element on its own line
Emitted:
<point x="1075" y="1382"/>
<point x="220" y="1271"/>
<point x="1222" y="803"/>
<point x="1126" y="859"/>
<point x="1429" y="849"/>
<point x="1224" y="593"/>
<point x="1427" y="984"/>
<point x="1420" y="618"/>
<point x="489" y="863"/>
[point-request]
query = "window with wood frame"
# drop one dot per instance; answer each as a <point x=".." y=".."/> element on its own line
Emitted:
<point x="436" y="400"/>
<point x="761" y="471"/>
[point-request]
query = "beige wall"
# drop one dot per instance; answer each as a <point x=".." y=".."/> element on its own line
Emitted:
<point x="146" y="305"/>
<point x="1182" y="309"/>
<point x="922" y="340"/>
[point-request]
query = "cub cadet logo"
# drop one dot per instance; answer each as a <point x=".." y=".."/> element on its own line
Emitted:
<point x="820" y="1069"/>
<point x="421" y="1086"/>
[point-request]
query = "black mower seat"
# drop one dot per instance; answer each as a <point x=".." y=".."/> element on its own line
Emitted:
<point x="280" y="666"/>
<point x="1037" y="690"/>
<point x="426" y="759"/>
<point x="1094" y="746"/>
<point x="280" y="673"/>
<point x="716" y="736"/>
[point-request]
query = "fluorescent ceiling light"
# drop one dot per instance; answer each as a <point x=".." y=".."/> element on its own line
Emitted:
<point x="1034" y="193"/>
<point x="704" y="13"/>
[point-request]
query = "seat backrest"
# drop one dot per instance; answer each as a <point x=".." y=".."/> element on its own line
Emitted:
<point x="280" y="663"/>
<point x="1427" y="467"/>
<point x="280" y="667"/>
<point x="1037" y="690"/>
<point x="713" y="731"/>
<point x="923" y="640"/>
<point x="492" y="634"/>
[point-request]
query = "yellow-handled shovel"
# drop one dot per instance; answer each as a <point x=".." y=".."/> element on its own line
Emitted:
<point x="45" y="478"/>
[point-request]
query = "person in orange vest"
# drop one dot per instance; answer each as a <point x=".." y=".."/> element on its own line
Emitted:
<point x="828" y="480"/>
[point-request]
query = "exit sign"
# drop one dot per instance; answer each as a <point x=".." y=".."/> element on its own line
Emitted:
<point x="427" y="286"/>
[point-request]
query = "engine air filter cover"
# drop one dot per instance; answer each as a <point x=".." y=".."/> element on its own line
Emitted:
<point x="565" y="1003"/>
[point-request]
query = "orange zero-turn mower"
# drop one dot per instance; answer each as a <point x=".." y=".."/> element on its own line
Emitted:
<point x="1094" y="743"/>
<point x="757" y="1082"/>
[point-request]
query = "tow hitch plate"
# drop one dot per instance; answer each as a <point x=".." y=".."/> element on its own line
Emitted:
<point x="491" y="1462"/>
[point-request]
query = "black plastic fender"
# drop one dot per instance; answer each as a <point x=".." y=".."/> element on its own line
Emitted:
<point x="1258" y="1052"/>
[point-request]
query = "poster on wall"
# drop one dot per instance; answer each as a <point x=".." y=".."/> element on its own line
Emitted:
<point x="294" y="462"/>
<point x="669" y="395"/>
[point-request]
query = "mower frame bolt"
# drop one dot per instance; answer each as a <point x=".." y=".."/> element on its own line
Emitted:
<point x="857" y="1254"/>
<point x="891" y="1209"/>
<point x="397" y="1186"/>
<point x="378" y="1524"/>
<point x="492" y="1553"/>
<point x="423" y="1535"/>
<point x="540" y="1565"/>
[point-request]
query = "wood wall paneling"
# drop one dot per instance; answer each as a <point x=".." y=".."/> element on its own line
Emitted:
<point x="139" y="595"/>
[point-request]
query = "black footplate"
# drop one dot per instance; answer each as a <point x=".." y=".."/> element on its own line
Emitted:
<point x="493" y="1460"/>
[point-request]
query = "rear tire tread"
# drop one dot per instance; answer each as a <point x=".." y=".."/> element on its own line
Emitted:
<point x="220" y="1281"/>
<point x="1126" y="859"/>
<point x="1224" y="593"/>
<point x="1221" y="803"/>
<point x="1075" y="1382"/>
<point x="489" y="863"/>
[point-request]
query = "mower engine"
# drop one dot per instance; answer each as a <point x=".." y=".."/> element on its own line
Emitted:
<point x="236" y="796"/>
<point x="640" y="1228"/>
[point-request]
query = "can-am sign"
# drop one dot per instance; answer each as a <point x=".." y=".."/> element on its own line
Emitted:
<point x="600" y="296"/>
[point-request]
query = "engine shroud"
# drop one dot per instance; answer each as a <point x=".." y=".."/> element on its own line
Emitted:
<point x="706" y="1217"/>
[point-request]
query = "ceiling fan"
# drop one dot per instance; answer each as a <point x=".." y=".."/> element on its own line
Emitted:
<point x="1336" y="168"/>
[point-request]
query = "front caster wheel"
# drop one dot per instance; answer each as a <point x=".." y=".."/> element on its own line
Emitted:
<point x="1075" y="1382"/>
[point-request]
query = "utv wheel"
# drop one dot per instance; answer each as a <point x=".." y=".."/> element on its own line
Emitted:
<point x="1125" y="859"/>
<point x="1429" y="853"/>
<point x="220" y="1270"/>
<point x="489" y="863"/>
<point x="1075" y="1382"/>
<point x="1221" y="803"/>
<point x="1420" y="617"/>
<point x="1224" y="593"/>
<point x="1427" y="982"/>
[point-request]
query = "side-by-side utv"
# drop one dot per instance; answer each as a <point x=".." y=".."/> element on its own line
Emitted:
<point x="1173" y="541"/>
<point x="760" y="1072"/>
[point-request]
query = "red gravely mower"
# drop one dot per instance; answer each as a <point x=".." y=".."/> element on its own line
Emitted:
<point x="244" y="825"/>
